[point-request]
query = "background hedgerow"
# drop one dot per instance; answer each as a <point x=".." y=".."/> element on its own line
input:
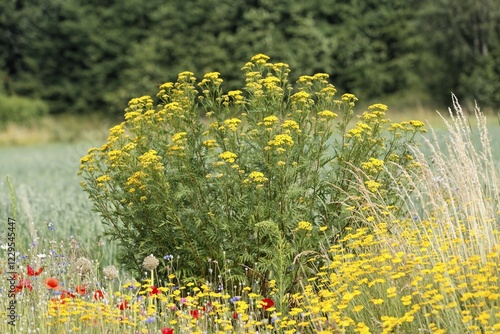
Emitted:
<point x="267" y="175"/>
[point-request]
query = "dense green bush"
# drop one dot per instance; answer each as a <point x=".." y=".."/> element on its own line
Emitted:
<point x="260" y="183"/>
<point x="18" y="109"/>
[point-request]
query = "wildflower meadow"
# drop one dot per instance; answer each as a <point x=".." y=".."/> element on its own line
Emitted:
<point x="278" y="208"/>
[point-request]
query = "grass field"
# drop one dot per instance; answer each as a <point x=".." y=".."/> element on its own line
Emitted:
<point x="46" y="186"/>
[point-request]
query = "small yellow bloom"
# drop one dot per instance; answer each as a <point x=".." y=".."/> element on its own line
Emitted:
<point x="416" y="124"/>
<point x="178" y="137"/>
<point x="372" y="185"/>
<point x="232" y="123"/>
<point x="270" y="120"/>
<point x="257" y="177"/>
<point x="260" y="58"/>
<point x="327" y="114"/>
<point x="228" y="156"/>
<point x="303" y="225"/>
<point x="290" y="124"/>
<point x="281" y="139"/>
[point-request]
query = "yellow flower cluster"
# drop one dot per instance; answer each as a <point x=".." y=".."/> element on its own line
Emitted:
<point x="372" y="185"/>
<point x="303" y="225"/>
<point x="290" y="124"/>
<point x="270" y="120"/>
<point x="232" y="123"/>
<point x="211" y="78"/>
<point x="360" y="129"/>
<point x="401" y="286"/>
<point x="327" y="114"/>
<point x="281" y="139"/>
<point x="373" y="165"/>
<point x="151" y="158"/>
<point x="227" y="156"/>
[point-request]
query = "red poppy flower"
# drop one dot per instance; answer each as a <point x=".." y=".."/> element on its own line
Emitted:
<point x="166" y="330"/>
<point x="123" y="305"/>
<point x="23" y="283"/>
<point x="195" y="314"/>
<point x="52" y="283"/>
<point x="154" y="290"/>
<point x="266" y="303"/>
<point x="235" y="315"/>
<point x="31" y="272"/>
<point x="66" y="294"/>
<point x="98" y="294"/>
<point x="81" y="289"/>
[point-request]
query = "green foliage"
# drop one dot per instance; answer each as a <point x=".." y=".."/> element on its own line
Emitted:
<point x="461" y="48"/>
<point x="81" y="56"/>
<point x="18" y="109"/>
<point x="266" y="176"/>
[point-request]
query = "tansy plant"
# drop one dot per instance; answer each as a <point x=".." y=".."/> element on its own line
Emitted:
<point x="265" y="175"/>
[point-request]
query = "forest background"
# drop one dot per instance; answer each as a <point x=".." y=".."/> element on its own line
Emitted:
<point x="83" y="57"/>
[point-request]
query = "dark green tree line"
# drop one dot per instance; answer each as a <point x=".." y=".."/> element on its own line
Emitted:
<point x="94" y="55"/>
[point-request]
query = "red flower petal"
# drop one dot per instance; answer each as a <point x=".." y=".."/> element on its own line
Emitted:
<point x="154" y="290"/>
<point x="81" y="289"/>
<point x="52" y="283"/>
<point x="22" y="284"/>
<point x="123" y="305"/>
<point x="98" y="294"/>
<point x="195" y="314"/>
<point x="267" y="303"/>
<point x="31" y="272"/>
<point x="166" y="330"/>
<point x="67" y="294"/>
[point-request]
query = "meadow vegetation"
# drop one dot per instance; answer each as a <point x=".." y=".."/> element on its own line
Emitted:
<point x="408" y="244"/>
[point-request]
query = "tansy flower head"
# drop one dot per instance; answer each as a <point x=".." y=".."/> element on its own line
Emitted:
<point x="228" y="156"/>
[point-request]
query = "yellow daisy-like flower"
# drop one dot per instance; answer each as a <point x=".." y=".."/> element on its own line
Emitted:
<point x="378" y="107"/>
<point x="290" y="124"/>
<point x="417" y="124"/>
<point x="327" y="114"/>
<point x="179" y="136"/>
<point x="257" y="177"/>
<point x="148" y="158"/>
<point x="232" y="123"/>
<point x="260" y="58"/>
<point x="270" y="120"/>
<point x="210" y="143"/>
<point x="281" y="139"/>
<point x="103" y="178"/>
<point x="349" y="97"/>
<point x="372" y="185"/>
<point x="228" y="156"/>
<point x="303" y="225"/>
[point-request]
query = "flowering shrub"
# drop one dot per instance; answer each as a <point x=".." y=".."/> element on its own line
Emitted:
<point x="270" y="172"/>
